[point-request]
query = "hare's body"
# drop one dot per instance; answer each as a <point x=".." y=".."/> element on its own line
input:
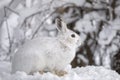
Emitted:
<point x="51" y="53"/>
<point x="39" y="55"/>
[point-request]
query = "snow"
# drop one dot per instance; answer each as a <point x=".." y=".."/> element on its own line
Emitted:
<point x="94" y="16"/>
<point x="85" y="26"/>
<point x="4" y="3"/>
<point x="89" y="24"/>
<point x="117" y="10"/>
<point x="77" y="2"/>
<point x="96" y="73"/>
<point x="83" y="58"/>
<point x="106" y="36"/>
<point x="83" y="73"/>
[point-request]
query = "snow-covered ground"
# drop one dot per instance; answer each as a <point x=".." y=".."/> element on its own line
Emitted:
<point x="83" y="73"/>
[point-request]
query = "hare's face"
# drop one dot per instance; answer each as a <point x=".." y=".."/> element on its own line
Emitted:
<point x="67" y="35"/>
<point x="71" y="37"/>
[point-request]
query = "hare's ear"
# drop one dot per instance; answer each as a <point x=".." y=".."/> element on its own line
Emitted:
<point x="61" y="26"/>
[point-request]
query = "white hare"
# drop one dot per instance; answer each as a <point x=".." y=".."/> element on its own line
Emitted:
<point x="51" y="53"/>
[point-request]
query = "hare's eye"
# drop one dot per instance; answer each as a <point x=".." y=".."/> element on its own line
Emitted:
<point x="73" y="35"/>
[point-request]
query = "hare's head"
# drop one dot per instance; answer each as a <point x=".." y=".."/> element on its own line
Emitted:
<point x="67" y="35"/>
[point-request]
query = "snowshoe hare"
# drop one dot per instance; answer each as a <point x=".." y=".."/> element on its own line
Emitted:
<point x="47" y="53"/>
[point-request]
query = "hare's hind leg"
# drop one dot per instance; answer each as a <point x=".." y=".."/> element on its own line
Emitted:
<point x="45" y="71"/>
<point x="60" y="72"/>
<point x="41" y="72"/>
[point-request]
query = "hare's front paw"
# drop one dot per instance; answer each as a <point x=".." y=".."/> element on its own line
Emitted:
<point x="60" y="73"/>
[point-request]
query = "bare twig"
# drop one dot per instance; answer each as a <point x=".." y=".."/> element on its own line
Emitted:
<point x="29" y="16"/>
<point x="12" y="5"/>
<point x="10" y="40"/>
<point x="10" y="10"/>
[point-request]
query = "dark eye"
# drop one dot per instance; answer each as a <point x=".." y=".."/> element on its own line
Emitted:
<point x="73" y="35"/>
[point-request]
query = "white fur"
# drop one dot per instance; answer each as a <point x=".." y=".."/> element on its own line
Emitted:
<point x="52" y="53"/>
